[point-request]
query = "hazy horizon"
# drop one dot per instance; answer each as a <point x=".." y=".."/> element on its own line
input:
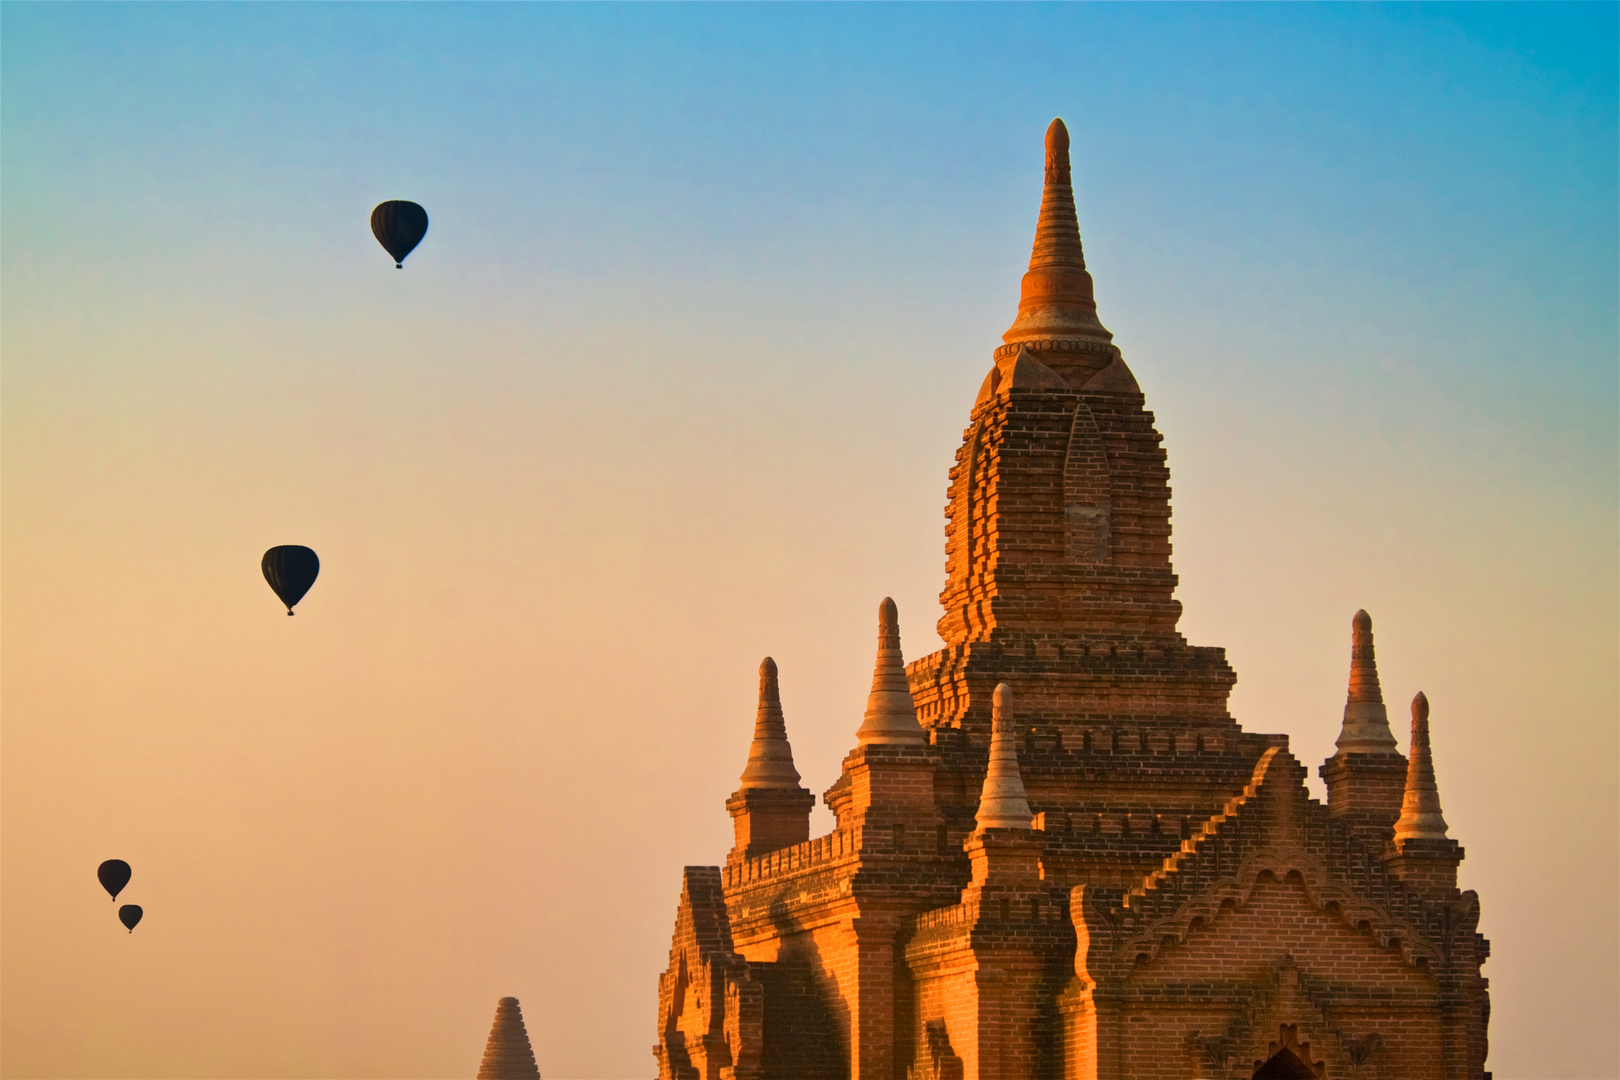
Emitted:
<point x="673" y="384"/>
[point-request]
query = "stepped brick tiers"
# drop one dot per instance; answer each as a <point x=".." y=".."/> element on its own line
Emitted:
<point x="507" y="1055"/>
<point x="1056" y="855"/>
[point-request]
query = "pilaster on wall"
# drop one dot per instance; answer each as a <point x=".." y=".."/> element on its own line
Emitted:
<point x="872" y="1010"/>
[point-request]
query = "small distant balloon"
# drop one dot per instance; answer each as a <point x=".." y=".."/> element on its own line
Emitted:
<point x="290" y="569"/>
<point x="129" y="915"/>
<point x="113" y="875"/>
<point x="398" y="226"/>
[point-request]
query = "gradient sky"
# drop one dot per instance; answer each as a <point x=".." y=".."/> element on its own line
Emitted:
<point x="672" y="384"/>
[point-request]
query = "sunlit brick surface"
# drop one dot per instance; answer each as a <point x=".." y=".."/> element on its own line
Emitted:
<point x="1178" y="906"/>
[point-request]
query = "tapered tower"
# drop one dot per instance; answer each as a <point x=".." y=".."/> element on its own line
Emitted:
<point x="1058" y="576"/>
<point x="770" y="810"/>
<point x="1367" y="775"/>
<point x="1056" y="855"/>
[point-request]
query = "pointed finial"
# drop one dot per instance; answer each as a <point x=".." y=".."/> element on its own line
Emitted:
<point x="1420" y="806"/>
<point x="770" y="757"/>
<point x="891" y="714"/>
<point x="1056" y="299"/>
<point x="1366" y="722"/>
<point x="1057" y="155"/>
<point x="1002" y="802"/>
<point x="507" y="1055"/>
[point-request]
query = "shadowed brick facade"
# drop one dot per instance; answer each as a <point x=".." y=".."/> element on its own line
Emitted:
<point x="1057" y="855"/>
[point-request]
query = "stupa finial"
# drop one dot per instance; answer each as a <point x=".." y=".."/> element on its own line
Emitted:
<point x="1057" y="300"/>
<point x="1366" y="721"/>
<point x="891" y="714"/>
<point x="1420" y="807"/>
<point x="770" y="757"/>
<point x="507" y="1055"/>
<point x="1003" y="803"/>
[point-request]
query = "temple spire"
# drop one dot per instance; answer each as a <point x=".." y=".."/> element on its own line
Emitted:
<point x="770" y="757"/>
<point x="1366" y="722"/>
<point x="1056" y="300"/>
<point x="1003" y="803"/>
<point x="891" y="715"/>
<point x="507" y="1055"/>
<point x="1420" y="808"/>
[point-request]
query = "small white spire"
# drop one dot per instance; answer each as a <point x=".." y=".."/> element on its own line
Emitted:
<point x="1366" y="722"/>
<point x="891" y="714"/>
<point x="1420" y="808"/>
<point x="1003" y="803"/>
<point x="770" y="757"/>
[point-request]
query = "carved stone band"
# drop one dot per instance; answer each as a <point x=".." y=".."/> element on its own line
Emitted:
<point x="1068" y="345"/>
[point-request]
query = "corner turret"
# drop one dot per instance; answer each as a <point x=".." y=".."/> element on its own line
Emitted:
<point x="888" y="780"/>
<point x="770" y="810"/>
<point x="891" y="715"/>
<point x="1422" y="854"/>
<point x="1367" y="775"/>
<point x="1004" y="849"/>
<point x="1003" y="803"/>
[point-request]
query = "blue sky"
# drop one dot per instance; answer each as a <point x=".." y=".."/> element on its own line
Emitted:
<point x="672" y="383"/>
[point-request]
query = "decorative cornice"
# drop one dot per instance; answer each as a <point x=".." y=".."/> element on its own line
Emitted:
<point x="1062" y="345"/>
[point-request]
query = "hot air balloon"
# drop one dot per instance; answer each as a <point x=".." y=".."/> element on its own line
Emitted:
<point x="398" y="226"/>
<point x="129" y="915"/>
<point x="290" y="569"/>
<point x="113" y="875"/>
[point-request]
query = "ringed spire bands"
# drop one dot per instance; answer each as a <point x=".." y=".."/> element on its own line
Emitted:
<point x="770" y="756"/>
<point x="1420" y="809"/>
<point x="891" y="714"/>
<point x="1366" y="722"/>
<point x="507" y="1054"/>
<point x="1003" y="803"/>
<point x="1056" y="299"/>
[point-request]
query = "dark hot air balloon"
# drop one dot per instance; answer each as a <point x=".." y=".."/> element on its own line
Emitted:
<point x="113" y="875"/>
<point x="129" y="915"/>
<point x="398" y="226"/>
<point x="290" y="569"/>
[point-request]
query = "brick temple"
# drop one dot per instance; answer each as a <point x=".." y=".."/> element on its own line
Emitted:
<point x="1057" y="855"/>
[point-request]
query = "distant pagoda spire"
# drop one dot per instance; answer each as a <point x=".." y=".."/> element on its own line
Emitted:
<point x="1366" y="722"/>
<point x="1420" y="807"/>
<point x="891" y="715"/>
<point x="507" y="1055"/>
<point x="770" y="756"/>
<point x="1002" y="802"/>
<point x="1056" y="300"/>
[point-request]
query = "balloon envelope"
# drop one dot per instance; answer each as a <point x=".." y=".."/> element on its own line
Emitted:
<point x="290" y="569"/>
<point x="113" y="875"/>
<point x="129" y="915"/>
<point x="398" y="226"/>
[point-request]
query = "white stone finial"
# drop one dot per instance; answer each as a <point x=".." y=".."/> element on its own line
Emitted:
<point x="1366" y="722"/>
<point x="1003" y="803"/>
<point x="770" y="757"/>
<point x="1420" y="807"/>
<point x="891" y="714"/>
